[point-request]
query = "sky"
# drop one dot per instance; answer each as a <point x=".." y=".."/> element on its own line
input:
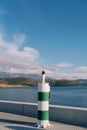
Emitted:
<point x="48" y="35"/>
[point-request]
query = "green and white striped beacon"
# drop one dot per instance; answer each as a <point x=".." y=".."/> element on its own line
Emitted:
<point x="43" y="103"/>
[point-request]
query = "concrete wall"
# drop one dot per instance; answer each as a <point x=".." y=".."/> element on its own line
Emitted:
<point x="72" y="115"/>
<point x="19" y="108"/>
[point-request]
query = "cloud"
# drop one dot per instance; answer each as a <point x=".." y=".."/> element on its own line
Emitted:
<point x="71" y="73"/>
<point x="64" y="65"/>
<point x="14" y="51"/>
<point x="81" y="69"/>
<point x="19" y="67"/>
<point x="15" y="57"/>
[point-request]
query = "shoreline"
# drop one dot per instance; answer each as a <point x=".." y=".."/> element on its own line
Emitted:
<point x="24" y="86"/>
<point x="11" y="86"/>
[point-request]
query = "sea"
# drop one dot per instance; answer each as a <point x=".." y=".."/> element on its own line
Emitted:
<point x="65" y="96"/>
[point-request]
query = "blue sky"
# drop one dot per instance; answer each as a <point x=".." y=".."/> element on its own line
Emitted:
<point x="44" y="34"/>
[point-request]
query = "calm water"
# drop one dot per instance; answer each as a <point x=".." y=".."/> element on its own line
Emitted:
<point x="68" y="96"/>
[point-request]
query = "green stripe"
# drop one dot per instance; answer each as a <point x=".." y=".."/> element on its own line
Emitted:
<point x="43" y="115"/>
<point x="43" y="96"/>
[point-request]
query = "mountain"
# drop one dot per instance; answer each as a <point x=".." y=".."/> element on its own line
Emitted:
<point x="34" y="79"/>
<point x="13" y="75"/>
<point x="4" y="74"/>
<point x="82" y="81"/>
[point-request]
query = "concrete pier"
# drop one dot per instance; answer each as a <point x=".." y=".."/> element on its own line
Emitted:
<point x="9" y="121"/>
<point x="64" y="114"/>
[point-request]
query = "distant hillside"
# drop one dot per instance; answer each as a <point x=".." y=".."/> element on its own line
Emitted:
<point x="14" y="75"/>
<point x="19" y="81"/>
<point x="64" y="82"/>
<point x="34" y="82"/>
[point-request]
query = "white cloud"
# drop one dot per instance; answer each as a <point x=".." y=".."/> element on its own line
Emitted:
<point x="29" y="51"/>
<point x="81" y="69"/>
<point x="13" y="49"/>
<point x="65" y="73"/>
<point x="15" y="59"/>
<point x="64" y="65"/>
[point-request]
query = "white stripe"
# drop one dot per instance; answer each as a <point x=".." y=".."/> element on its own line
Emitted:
<point x="44" y="87"/>
<point x="43" y="121"/>
<point x="43" y="105"/>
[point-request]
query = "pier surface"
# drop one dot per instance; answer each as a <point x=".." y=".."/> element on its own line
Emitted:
<point x="9" y="121"/>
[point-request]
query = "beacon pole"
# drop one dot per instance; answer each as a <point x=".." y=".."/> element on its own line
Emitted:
<point x="43" y="103"/>
<point x="43" y="77"/>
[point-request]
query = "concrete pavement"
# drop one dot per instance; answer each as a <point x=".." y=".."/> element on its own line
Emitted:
<point x="10" y="121"/>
